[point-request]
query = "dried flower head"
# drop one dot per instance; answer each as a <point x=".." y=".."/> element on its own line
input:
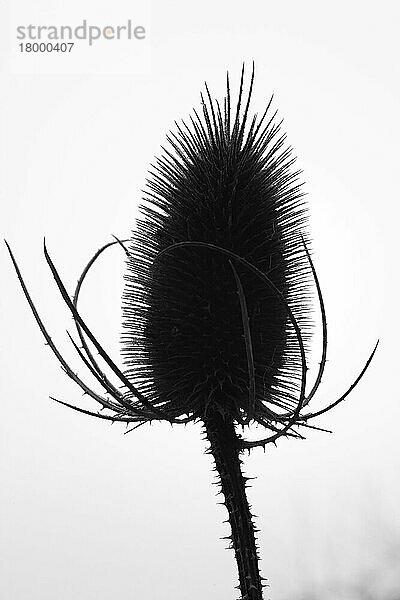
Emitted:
<point x="217" y="301"/>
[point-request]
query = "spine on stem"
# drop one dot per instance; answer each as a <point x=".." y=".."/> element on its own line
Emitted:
<point x="224" y="447"/>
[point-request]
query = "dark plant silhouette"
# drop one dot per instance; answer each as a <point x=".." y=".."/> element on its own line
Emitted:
<point x="217" y="301"/>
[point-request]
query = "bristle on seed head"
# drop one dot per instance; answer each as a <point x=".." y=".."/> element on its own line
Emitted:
<point x="200" y="329"/>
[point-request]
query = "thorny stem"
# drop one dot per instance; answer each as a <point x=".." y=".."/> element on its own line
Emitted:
<point x="224" y="447"/>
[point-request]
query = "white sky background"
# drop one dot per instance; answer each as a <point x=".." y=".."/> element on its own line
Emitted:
<point x="88" y="513"/>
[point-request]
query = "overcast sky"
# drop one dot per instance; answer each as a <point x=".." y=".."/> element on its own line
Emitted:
<point x="88" y="513"/>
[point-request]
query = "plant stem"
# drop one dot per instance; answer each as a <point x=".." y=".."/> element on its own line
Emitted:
<point x="225" y="450"/>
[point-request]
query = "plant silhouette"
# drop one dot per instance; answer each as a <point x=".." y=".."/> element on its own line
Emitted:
<point x="217" y="301"/>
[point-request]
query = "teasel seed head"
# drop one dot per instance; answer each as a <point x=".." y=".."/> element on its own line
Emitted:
<point x="200" y="328"/>
<point x="217" y="306"/>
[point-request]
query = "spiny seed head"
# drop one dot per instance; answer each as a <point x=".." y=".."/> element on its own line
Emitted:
<point x="226" y="180"/>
